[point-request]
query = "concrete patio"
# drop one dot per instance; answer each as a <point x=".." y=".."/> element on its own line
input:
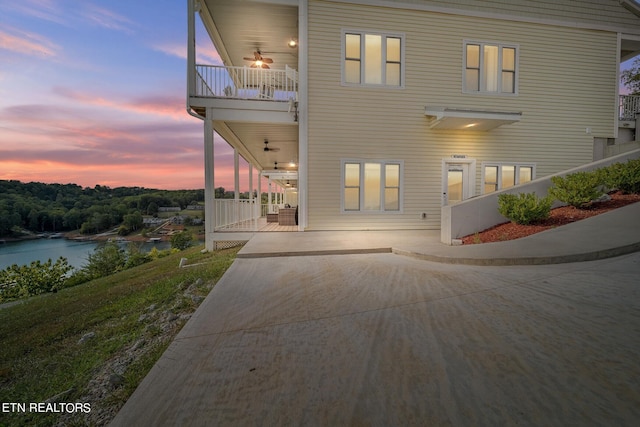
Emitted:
<point x="383" y="339"/>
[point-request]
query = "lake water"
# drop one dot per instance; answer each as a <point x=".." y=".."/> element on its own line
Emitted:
<point x="76" y="253"/>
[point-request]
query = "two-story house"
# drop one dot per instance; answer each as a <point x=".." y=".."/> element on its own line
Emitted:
<point x="372" y="115"/>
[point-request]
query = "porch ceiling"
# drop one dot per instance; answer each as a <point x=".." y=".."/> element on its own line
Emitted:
<point x="282" y="137"/>
<point x="246" y="26"/>
<point x="629" y="49"/>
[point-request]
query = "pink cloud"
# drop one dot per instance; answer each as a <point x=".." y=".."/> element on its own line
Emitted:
<point x="54" y="143"/>
<point x="27" y="43"/>
<point x="167" y="106"/>
<point x="46" y="10"/>
<point x="107" y="19"/>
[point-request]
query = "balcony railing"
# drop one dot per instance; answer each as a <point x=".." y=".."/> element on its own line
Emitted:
<point x="246" y="83"/>
<point x="629" y="107"/>
<point x="231" y="214"/>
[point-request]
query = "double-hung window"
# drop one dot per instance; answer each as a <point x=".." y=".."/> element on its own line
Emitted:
<point x="372" y="58"/>
<point x="490" y="68"/>
<point x="371" y="186"/>
<point x="496" y="176"/>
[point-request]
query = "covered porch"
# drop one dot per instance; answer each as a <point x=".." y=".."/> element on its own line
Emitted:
<point x="250" y="99"/>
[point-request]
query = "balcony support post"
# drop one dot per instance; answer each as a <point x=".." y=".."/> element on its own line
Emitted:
<point x="209" y="195"/>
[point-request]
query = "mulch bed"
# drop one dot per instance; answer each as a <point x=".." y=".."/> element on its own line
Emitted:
<point x="559" y="216"/>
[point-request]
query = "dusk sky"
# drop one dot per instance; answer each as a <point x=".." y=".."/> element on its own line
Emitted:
<point x="93" y="92"/>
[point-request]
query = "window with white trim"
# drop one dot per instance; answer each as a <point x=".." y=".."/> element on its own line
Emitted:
<point x="490" y="68"/>
<point x="496" y="176"/>
<point x="372" y="59"/>
<point x="371" y="186"/>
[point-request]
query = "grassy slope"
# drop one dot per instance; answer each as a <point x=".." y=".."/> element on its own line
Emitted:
<point x="133" y="314"/>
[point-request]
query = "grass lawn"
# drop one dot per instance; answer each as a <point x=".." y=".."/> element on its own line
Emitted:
<point x="95" y="342"/>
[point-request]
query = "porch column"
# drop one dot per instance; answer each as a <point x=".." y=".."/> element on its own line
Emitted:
<point x="250" y="180"/>
<point x="252" y="206"/>
<point x="209" y="203"/>
<point x="191" y="47"/>
<point x="269" y="209"/>
<point x="236" y="173"/>
<point x="260" y="194"/>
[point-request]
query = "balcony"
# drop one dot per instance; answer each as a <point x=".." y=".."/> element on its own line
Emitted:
<point x="629" y="106"/>
<point x="245" y="83"/>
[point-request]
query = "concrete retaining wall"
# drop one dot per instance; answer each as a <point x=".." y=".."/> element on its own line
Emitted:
<point x="479" y="213"/>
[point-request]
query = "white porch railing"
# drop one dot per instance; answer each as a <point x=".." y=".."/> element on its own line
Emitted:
<point x="246" y="83"/>
<point x="629" y="107"/>
<point x="231" y="214"/>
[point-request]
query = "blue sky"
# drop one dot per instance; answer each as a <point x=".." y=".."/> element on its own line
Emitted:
<point x="93" y="92"/>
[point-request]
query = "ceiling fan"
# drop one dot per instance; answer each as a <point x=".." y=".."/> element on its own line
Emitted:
<point x="259" y="61"/>
<point x="267" y="148"/>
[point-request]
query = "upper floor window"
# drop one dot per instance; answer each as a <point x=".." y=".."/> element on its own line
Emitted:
<point x="496" y="176"/>
<point x="490" y="68"/>
<point x="371" y="186"/>
<point x="372" y="59"/>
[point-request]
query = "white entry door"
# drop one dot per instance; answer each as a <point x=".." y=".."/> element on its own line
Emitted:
<point x="457" y="181"/>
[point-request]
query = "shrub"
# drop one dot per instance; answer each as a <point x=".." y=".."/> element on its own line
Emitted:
<point x="105" y="260"/>
<point x="577" y="189"/>
<point x="182" y="240"/>
<point x="33" y="279"/>
<point x="622" y="176"/>
<point x="524" y="208"/>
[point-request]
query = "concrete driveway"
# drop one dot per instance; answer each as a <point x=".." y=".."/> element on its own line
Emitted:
<point x="387" y="340"/>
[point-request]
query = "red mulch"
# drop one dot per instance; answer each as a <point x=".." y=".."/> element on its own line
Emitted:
<point x="559" y="216"/>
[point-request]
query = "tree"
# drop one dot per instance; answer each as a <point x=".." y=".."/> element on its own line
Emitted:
<point x="33" y="279"/>
<point x="181" y="240"/>
<point x="219" y="193"/>
<point x="133" y="222"/>
<point x="105" y="260"/>
<point x="631" y="77"/>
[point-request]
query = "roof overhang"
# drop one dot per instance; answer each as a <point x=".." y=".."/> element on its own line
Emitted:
<point x="465" y="119"/>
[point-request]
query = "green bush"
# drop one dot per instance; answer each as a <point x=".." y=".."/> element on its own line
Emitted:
<point x="105" y="260"/>
<point x="524" y="208"/>
<point x="577" y="189"/>
<point x="182" y="240"/>
<point x="33" y="279"/>
<point x="622" y="176"/>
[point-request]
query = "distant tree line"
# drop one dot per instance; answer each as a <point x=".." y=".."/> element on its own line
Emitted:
<point x="40" y="207"/>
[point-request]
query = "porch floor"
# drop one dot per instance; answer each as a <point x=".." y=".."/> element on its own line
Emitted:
<point x="262" y="226"/>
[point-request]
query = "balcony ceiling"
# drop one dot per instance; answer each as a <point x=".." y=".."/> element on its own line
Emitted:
<point x="247" y="26"/>
<point x="629" y="49"/>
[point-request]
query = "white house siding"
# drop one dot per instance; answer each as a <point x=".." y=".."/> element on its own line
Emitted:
<point x="592" y="13"/>
<point x="567" y="83"/>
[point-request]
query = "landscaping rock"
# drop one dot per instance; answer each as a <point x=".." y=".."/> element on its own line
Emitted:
<point x="86" y="337"/>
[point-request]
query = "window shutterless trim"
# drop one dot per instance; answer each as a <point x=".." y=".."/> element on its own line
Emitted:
<point x="499" y="166"/>
<point x="500" y="70"/>
<point x="362" y="59"/>
<point x="361" y="186"/>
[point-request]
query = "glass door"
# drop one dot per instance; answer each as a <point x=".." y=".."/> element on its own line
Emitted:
<point x="457" y="184"/>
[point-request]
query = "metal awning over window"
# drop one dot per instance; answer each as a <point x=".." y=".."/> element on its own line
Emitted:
<point x="465" y="119"/>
